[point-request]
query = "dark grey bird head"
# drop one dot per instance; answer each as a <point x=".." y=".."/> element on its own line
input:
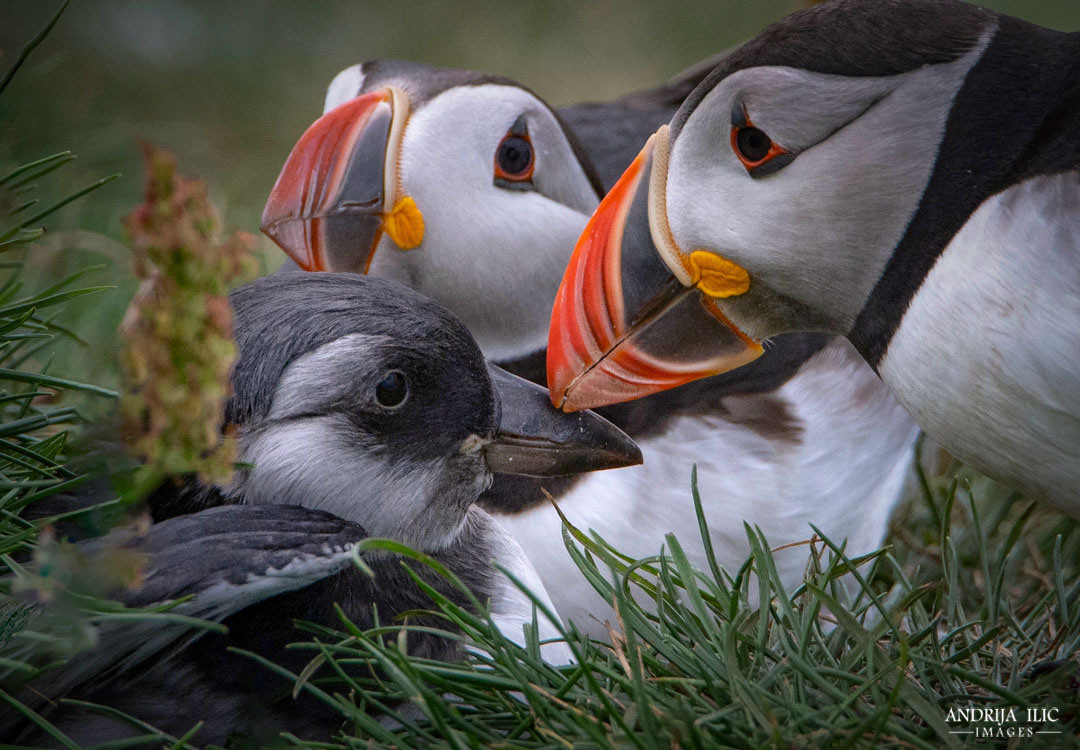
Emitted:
<point x="359" y="396"/>
<point x="447" y="180"/>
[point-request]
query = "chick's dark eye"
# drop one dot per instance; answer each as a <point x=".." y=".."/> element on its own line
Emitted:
<point x="514" y="159"/>
<point x="392" y="390"/>
<point x="753" y="145"/>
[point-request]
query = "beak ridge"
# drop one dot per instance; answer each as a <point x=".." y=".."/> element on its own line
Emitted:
<point x="336" y="193"/>
<point x="633" y="316"/>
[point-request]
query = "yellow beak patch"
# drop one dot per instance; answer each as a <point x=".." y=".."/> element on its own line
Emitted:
<point x="405" y="224"/>
<point x="716" y="276"/>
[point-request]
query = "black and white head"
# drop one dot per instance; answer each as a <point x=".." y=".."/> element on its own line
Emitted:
<point x="824" y="162"/>
<point x="358" y="396"/>
<point x="462" y="185"/>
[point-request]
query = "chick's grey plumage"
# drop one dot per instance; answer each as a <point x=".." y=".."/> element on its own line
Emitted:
<point x="319" y="345"/>
<point x="258" y="569"/>
<point x="224" y="558"/>
<point x="313" y="349"/>
<point x="304" y="318"/>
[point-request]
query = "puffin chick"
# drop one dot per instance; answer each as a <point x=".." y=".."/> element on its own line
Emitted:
<point x="362" y="409"/>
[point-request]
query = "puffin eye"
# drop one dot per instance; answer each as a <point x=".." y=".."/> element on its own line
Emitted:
<point x="392" y="390"/>
<point x="752" y="145"/>
<point x="514" y="158"/>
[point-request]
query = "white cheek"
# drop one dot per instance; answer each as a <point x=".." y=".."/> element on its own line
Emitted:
<point x="822" y="228"/>
<point x="493" y="256"/>
<point x="313" y="463"/>
<point x="391" y="262"/>
<point x="496" y="263"/>
<point x="820" y="231"/>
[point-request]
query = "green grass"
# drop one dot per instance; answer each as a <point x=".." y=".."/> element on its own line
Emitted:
<point x="33" y="443"/>
<point x="37" y="408"/>
<point x="869" y="653"/>
<point x="872" y="652"/>
<point x="978" y="605"/>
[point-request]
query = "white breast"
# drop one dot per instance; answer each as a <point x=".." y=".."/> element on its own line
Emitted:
<point x="511" y="608"/>
<point x="987" y="357"/>
<point x="843" y="473"/>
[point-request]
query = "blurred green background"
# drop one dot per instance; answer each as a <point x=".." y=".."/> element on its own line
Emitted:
<point x="229" y="85"/>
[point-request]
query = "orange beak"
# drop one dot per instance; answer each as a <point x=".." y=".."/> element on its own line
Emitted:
<point x="624" y="325"/>
<point x="337" y="192"/>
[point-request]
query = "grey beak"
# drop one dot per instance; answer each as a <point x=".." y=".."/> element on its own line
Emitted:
<point x="536" y="439"/>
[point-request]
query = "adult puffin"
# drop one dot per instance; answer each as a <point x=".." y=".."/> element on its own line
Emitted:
<point x="453" y="181"/>
<point x="504" y="185"/>
<point x="904" y="173"/>
<point x="362" y="409"/>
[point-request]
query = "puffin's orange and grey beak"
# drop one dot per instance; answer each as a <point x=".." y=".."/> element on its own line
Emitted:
<point x="633" y="314"/>
<point x="339" y="189"/>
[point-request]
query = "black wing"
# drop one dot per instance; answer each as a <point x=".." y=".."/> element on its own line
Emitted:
<point x="233" y="555"/>
<point x="225" y="559"/>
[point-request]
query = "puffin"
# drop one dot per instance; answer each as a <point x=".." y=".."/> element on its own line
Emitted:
<point x="362" y="409"/>
<point x="471" y="189"/>
<point x="905" y="174"/>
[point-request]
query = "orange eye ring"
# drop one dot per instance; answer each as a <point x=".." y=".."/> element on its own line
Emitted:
<point x="759" y="154"/>
<point x="515" y="158"/>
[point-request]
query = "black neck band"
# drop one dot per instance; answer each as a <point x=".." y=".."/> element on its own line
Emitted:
<point x="1016" y="116"/>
